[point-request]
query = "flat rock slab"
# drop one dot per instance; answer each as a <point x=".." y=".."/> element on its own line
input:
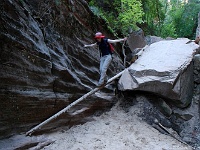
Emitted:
<point x="164" y="68"/>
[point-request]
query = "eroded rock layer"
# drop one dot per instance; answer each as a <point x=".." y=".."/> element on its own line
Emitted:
<point x="43" y="65"/>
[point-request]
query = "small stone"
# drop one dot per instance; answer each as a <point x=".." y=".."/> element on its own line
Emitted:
<point x="107" y="123"/>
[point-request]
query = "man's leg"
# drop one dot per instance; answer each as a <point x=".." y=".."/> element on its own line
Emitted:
<point x="102" y="60"/>
<point x="104" y="64"/>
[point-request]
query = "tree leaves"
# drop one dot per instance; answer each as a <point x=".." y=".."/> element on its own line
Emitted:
<point x="174" y="18"/>
<point x="131" y="13"/>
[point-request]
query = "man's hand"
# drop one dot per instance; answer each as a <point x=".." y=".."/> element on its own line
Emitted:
<point x="125" y="38"/>
<point x="90" y="45"/>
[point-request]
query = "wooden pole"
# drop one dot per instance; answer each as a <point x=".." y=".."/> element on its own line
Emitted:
<point x="72" y="104"/>
<point x="124" y="53"/>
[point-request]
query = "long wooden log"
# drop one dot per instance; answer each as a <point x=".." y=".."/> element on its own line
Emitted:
<point x="174" y="135"/>
<point x="72" y="104"/>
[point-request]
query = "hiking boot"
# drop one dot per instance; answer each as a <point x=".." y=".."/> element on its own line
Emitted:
<point x="102" y="85"/>
<point x="105" y="81"/>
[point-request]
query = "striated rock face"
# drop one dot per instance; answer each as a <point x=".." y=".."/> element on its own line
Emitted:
<point x="43" y="65"/>
<point x="165" y="68"/>
<point x="196" y="73"/>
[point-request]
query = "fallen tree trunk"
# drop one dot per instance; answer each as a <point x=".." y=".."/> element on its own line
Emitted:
<point x="72" y="104"/>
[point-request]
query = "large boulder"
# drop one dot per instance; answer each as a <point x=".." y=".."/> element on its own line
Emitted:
<point x="164" y="68"/>
<point x="136" y="40"/>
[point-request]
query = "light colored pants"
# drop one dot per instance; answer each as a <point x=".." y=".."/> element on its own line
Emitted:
<point x="104" y="64"/>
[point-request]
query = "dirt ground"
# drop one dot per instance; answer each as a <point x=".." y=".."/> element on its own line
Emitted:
<point x="114" y="130"/>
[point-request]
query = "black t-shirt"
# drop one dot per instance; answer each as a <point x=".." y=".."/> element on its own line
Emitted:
<point x="104" y="47"/>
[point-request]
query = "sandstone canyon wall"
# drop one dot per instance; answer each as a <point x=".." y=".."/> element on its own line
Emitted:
<point x="43" y="65"/>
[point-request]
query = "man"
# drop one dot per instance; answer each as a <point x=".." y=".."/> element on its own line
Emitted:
<point x="105" y="53"/>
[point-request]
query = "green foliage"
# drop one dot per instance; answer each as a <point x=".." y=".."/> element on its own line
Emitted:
<point x="183" y="16"/>
<point x="168" y="30"/>
<point x="173" y="15"/>
<point x="120" y="15"/>
<point x="176" y="18"/>
<point x="22" y="1"/>
<point x="96" y="11"/>
<point x="131" y="13"/>
<point x="188" y="21"/>
<point x="154" y="16"/>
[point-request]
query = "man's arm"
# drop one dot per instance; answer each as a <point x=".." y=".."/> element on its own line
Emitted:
<point x="90" y="45"/>
<point x="117" y="40"/>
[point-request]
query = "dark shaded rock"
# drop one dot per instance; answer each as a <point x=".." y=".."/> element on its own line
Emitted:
<point x="20" y="142"/>
<point x="184" y="122"/>
<point x="148" y="107"/>
<point x="153" y="39"/>
<point x="164" y="107"/>
<point x="43" y="65"/>
<point x="136" y="40"/>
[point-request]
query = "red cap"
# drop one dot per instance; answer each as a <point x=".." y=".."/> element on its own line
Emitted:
<point x="99" y="35"/>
